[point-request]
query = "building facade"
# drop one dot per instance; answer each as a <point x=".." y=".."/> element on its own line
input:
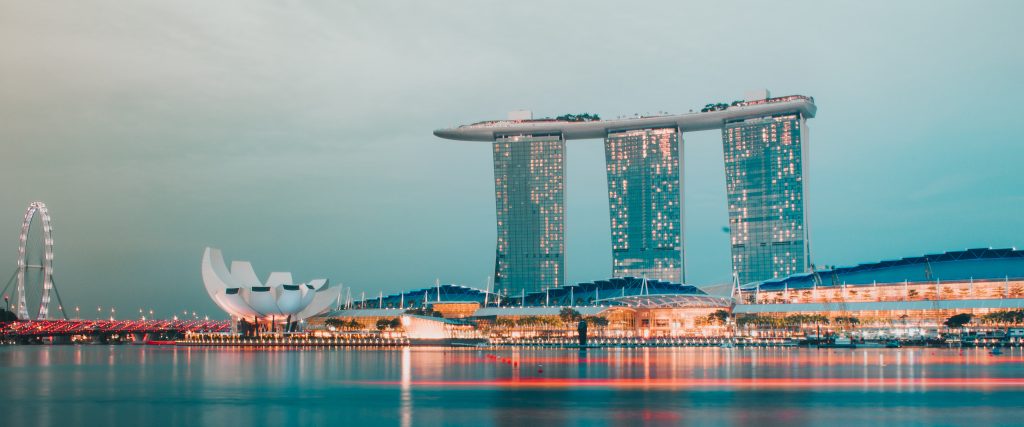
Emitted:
<point x="644" y="203"/>
<point x="908" y="299"/>
<point x="764" y="139"/>
<point x="764" y="174"/>
<point x="529" y="193"/>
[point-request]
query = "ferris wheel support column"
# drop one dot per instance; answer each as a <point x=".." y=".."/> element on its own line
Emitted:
<point x="47" y="262"/>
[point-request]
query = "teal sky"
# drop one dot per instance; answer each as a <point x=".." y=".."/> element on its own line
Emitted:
<point x="298" y="136"/>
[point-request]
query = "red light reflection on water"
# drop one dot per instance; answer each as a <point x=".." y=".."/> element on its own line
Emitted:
<point x="725" y="383"/>
<point x="912" y="369"/>
<point x="810" y="358"/>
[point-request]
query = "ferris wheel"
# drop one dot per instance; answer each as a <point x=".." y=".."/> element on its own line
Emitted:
<point x="45" y="264"/>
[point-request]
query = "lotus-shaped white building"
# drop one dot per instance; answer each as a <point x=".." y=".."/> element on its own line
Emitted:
<point x="240" y="293"/>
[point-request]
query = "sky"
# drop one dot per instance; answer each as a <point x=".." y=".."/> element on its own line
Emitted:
<point x="297" y="135"/>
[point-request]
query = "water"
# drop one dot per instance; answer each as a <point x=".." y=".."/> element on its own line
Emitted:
<point x="163" y="386"/>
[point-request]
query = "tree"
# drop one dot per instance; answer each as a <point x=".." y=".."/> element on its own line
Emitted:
<point x="1010" y="317"/>
<point x="582" y="117"/>
<point x="7" y="316"/>
<point x="719" y="317"/>
<point x="395" y="323"/>
<point x="383" y="324"/>
<point x="958" y="321"/>
<point x="596" y="321"/>
<point x="569" y="315"/>
<point x="343" y="323"/>
<point x="504" y="322"/>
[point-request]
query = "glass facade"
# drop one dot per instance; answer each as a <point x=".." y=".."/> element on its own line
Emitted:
<point x="764" y="181"/>
<point x="644" y="202"/>
<point x="529" y="192"/>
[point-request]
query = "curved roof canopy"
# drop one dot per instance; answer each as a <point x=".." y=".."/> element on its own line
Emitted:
<point x="674" y="301"/>
<point x="581" y="294"/>
<point x="970" y="264"/>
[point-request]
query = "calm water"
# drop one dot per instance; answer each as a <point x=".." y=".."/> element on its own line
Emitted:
<point x="158" y="386"/>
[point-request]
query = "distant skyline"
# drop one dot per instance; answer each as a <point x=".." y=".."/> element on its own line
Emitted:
<point x="298" y="137"/>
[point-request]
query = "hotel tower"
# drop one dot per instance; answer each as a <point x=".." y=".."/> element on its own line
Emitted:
<point x="764" y="143"/>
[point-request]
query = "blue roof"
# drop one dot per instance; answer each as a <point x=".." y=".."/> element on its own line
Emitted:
<point x="578" y="294"/>
<point x="970" y="264"/>
<point x="591" y="292"/>
<point x="417" y="298"/>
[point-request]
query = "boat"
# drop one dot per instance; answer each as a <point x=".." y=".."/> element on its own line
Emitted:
<point x="161" y="342"/>
<point x="473" y="344"/>
<point x="448" y="342"/>
<point x="995" y="351"/>
<point x="840" y="342"/>
<point x="893" y="344"/>
<point x="726" y="344"/>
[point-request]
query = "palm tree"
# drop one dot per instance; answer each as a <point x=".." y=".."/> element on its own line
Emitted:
<point x="504" y="322"/>
<point x="569" y="315"/>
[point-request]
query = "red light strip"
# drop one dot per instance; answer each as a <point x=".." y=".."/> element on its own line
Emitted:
<point x="742" y="383"/>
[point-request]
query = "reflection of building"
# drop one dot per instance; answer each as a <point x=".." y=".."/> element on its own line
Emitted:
<point x="764" y="173"/>
<point x="765" y="142"/>
<point x="243" y="296"/>
<point x="643" y="197"/>
<point x="529" y="192"/>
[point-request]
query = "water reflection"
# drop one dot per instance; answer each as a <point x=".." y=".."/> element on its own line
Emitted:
<point x="142" y="385"/>
<point x="406" y="404"/>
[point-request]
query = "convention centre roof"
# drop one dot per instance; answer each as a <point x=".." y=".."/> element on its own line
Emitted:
<point x="970" y="264"/>
<point x="614" y="291"/>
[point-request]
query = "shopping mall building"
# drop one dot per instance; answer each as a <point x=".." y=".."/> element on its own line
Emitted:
<point x="919" y="292"/>
<point x="914" y="294"/>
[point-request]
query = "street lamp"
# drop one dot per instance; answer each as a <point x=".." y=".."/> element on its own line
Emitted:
<point x="78" y="314"/>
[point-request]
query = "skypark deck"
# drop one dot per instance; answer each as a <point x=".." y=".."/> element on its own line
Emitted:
<point x="486" y="131"/>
